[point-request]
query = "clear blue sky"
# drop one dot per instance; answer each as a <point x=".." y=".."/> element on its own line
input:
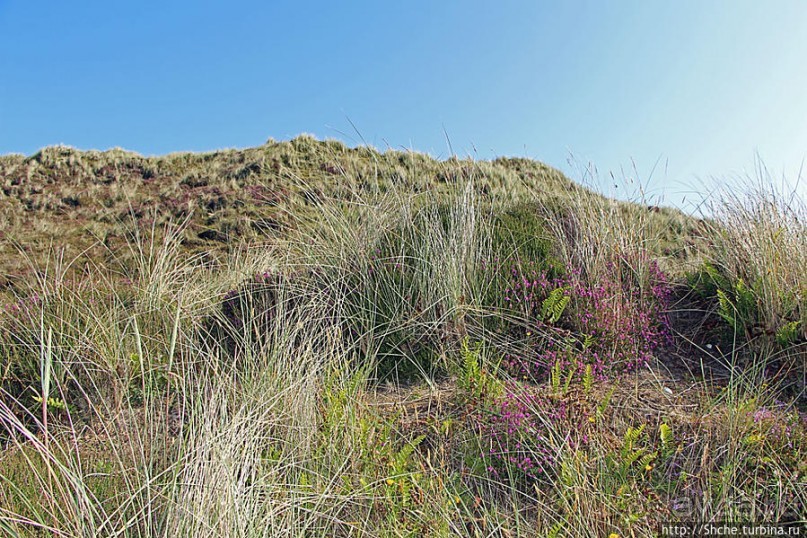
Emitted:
<point x="702" y="85"/>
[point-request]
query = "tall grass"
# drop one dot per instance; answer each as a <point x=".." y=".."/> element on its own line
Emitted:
<point x="407" y="267"/>
<point x="759" y="235"/>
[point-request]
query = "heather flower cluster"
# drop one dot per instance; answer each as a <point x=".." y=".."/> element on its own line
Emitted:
<point x="23" y="308"/>
<point x="521" y="434"/>
<point x="615" y="324"/>
<point x="517" y="439"/>
<point x="777" y="427"/>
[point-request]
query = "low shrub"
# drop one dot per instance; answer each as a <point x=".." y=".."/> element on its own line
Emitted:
<point x="615" y="325"/>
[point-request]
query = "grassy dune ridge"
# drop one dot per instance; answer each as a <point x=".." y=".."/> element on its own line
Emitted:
<point x="309" y="339"/>
<point x="67" y="197"/>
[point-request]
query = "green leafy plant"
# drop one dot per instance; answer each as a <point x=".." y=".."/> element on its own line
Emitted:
<point x="789" y="333"/>
<point x="748" y="309"/>
<point x="561" y="376"/>
<point x="740" y="309"/>
<point x="475" y="380"/>
<point x="633" y="455"/>
<point x="707" y="280"/>
<point x="52" y="403"/>
<point x="553" y="306"/>
<point x="588" y="379"/>
<point x="667" y="440"/>
<point x="604" y="403"/>
<point x="554" y="531"/>
<point x="403" y="479"/>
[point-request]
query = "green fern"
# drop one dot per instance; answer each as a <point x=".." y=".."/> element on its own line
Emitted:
<point x="401" y="466"/>
<point x="569" y="379"/>
<point x="714" y="278"/>
<point x="470" y="362"/>
<point x="667" y="441"/>
<point x="630" y="457"/>
<point x="633" y="455"/>
<point x="554" y="532"/>
<point x="53" y="403"/>
<point x="647" y="459"/>
<point x="401" y="459"/>
<point x="605" y="402"/>
<point x="726" y="309"/>
<point x="475" y="380"/>
<point x="554" y="376"/>
<point x="471" y="379"/>
<point x="568" y="473"/>
<point x="588" y="379"/>
<point x="788" y="333"/>
<point x="632" y="436"/>
<point x="553" y="306"/>
<point x="741" y="311"/>
<point x="746" y="300"/>
<point x="665" y="432"/>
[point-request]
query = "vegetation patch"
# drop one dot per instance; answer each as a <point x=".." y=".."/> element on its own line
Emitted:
<point x="310" y="339"/>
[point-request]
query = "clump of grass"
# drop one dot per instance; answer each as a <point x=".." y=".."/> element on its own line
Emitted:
<point x="406" y="268"/>
<point x="757" y="260"/>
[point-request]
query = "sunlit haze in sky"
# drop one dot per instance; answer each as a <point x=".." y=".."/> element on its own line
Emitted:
<point x="699" y="89"/>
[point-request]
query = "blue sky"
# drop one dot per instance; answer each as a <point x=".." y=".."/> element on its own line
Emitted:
<point x="700" y="86"/>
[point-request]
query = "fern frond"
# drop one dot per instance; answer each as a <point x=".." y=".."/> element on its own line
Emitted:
<point x="553" y="306"/>
<point x="588" y="378"/>
<point x="632" y="435"/>
<point x="726" y="309"/>
<point x="788" y="333"/>
<point x="665" y="432"/>
<point x="647" y="459"/>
